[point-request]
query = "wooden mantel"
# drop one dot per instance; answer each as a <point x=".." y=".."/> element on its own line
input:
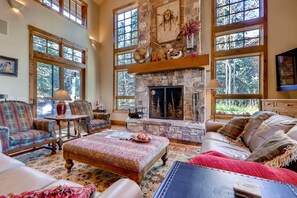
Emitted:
<point x="188" y="62"/>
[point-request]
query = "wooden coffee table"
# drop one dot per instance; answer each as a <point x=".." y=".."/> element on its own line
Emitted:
<point x="123" y="157"/>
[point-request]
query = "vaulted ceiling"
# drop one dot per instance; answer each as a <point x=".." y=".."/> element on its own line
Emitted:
<point x="98" y="1"/>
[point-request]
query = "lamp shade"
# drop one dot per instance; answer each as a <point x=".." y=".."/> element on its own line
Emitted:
<point x="214" y="84"/>
<point x="61" y="95"/>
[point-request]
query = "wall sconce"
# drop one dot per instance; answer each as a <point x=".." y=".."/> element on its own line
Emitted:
<point x="15" y="4"/>
<point x="93" y="42"/>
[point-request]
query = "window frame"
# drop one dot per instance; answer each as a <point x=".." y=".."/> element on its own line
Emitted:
<point x="62" y="63"/>
<point x="84" y="11"/>
<point x="116" y="51"/>
<point x="259" y="50"/>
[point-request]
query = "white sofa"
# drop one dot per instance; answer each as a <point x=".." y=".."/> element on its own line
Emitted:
<point x="16" y="177"/>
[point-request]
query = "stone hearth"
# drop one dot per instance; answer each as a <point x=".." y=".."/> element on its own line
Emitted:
<point x="173" y="129"/>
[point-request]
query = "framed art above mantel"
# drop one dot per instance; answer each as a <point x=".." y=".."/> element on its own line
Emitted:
<point x="168" y="22"/>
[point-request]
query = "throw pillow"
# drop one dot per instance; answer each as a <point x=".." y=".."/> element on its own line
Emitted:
<point x="217" y="160"/>
<point x="255" y="121"/>
<point x="234" y="127"/>
<point x="59" y="191"/>
<point x="277" y="151"/>
<point x="292" y="133"/>
<point x="269" y="127"/>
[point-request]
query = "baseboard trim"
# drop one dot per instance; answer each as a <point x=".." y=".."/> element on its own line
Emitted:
<point x="118" y="122"/>
<point x="184" y="142"/>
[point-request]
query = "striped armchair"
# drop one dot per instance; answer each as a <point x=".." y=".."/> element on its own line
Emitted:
<point x="95" y="122"/>
<point x="19" y="131"/>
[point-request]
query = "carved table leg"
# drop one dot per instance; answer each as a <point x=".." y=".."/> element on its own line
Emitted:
<point x="68" y="165"/>
<point x="164" y="158"/>
<point x="54" y="148"/>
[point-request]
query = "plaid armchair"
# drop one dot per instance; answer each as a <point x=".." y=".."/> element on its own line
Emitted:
<point x="19" y="131"/>
<point x="95" y="122"/>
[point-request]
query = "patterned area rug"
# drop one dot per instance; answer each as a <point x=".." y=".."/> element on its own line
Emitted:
<point x="85" y="174"/>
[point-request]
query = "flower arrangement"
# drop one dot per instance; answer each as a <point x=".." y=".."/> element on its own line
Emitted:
<point x="191" y="26"/>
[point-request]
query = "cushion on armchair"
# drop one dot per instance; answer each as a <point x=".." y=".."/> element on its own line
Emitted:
<point x="217" y="160"/>
<point x="81" y="107"/>
<point x="234" y="127"/>
<point x="16" y="115"/>
<point x="30" y="136"/>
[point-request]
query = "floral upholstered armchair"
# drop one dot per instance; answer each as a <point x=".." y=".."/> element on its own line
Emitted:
<point x="19" y="131"/>
<point x="95" y="121"/>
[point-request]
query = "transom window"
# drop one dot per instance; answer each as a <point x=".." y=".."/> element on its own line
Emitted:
<point x="75" y="10"/>
<point x="238" y="40"/>
<point x="126" y="41"/>
<point x="125" y="58"/>
<point x="72" y="54"/>
<point x="45" y="46"/>
<point x="239" y="55"/>
<point x="233" y="11"/>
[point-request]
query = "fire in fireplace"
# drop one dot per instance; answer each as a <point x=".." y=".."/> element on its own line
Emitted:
<point x="166" y="102"/>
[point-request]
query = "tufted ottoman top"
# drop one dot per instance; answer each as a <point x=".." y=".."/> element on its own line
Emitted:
<point x="126" y="154"/>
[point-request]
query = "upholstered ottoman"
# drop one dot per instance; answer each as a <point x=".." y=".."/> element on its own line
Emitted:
<point x="123" y="157"/>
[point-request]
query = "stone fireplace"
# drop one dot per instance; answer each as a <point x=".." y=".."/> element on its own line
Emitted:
<point x="190" y="80"/>
<point x="184" y="90"/>
<point x="166" y="102"/>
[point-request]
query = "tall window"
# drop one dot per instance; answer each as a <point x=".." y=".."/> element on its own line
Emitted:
<point x="126" y="41"/>
<point x="239" y="55"/>
<point x="59" y="64"/>
<point x="75" y="10"/>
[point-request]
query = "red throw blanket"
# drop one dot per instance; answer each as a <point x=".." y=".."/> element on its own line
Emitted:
<point x="217" y="160"/>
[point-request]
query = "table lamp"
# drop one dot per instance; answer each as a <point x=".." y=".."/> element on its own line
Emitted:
<point x="61" y="95"/>
<point x="213" y="85"/>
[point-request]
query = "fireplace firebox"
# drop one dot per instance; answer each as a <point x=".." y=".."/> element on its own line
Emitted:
<point x="166" y="102"/>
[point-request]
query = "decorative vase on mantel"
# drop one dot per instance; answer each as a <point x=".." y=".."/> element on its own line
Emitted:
<point x="190" y="42"/>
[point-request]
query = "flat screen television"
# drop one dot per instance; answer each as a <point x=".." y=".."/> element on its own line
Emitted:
<point x="286" y="70"/>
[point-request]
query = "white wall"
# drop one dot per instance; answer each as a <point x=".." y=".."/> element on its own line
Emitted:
<point x="282" y="36"/>
<point x="106" y="54"/>
<point x="16" y="43"/>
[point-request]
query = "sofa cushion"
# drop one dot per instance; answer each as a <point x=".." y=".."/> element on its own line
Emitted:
<point x="33" y="136"/>
<point x="269" y="127"/>
<point x="8" y="163"/>
<point x="96" y="123"/>
<point x="279" y="146"/>
<point x="235" y="150"/>
<point x="234" y="127"/>
<point x="217" y="160"/>
<point x="23" y="179"/>
<point x="217" y="137"/>
<point x="255" y="121"/>
<point x="16" y="115"/>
